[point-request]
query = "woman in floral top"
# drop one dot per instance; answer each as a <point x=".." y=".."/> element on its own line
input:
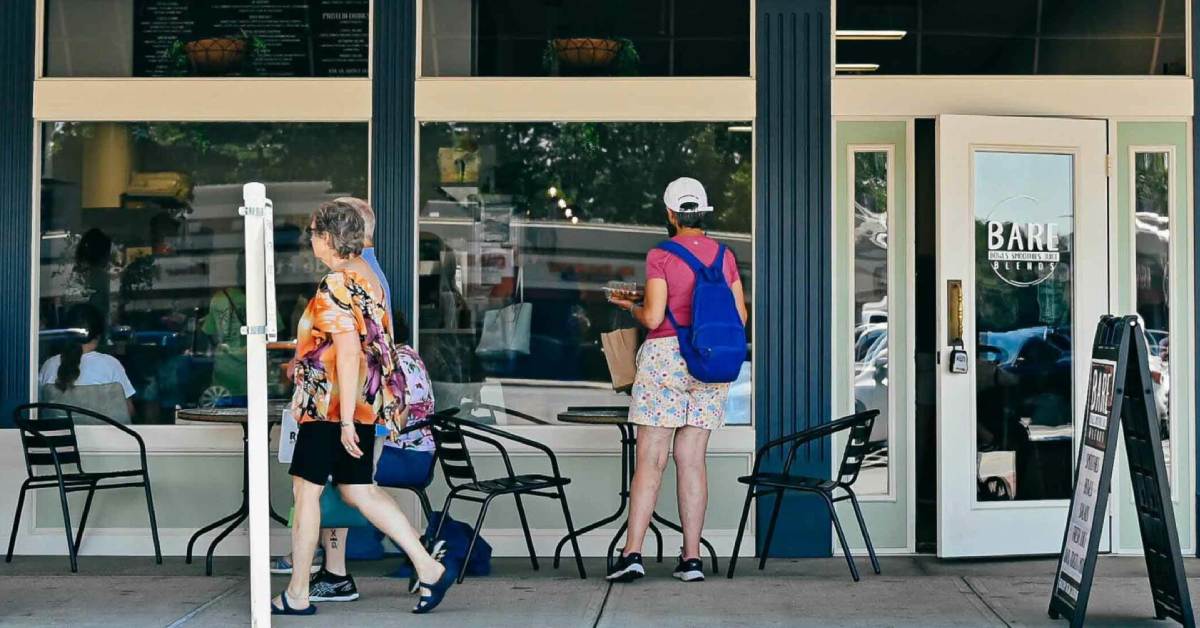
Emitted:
<point x="347" y="381"/>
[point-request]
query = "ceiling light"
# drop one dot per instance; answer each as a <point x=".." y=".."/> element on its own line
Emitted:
<point x="869" y="35"/>
<point x="553" y="191"/>
<point x="856" y="67"/>
<point x="562" y="203"/>
<point x="740" y="129"/>
<point x="575" y="220"/>
<point x="567" y="213"/>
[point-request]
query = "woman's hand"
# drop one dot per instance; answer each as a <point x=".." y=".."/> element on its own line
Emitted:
<point x="350" y="440"/>
<point x="624" y="304"/>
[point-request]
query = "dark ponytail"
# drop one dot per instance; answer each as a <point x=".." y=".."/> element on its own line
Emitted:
<point x="83" y="317"/>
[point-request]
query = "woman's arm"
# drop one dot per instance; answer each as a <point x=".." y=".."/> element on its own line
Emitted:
<point x="739" y="298"/>
<point x="349" y="354"/>
<point x="654" y="310"/>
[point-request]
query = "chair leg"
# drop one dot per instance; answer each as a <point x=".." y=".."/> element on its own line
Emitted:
<point x="474" y="537"/>
<point x="525" y="527"/>
<point x="837" y="525"/>
<point x="87" y="509"/>
<point x="12" y="538"/>
<point x="153" y="520"/>
<point x="562" y="497"/>
<point x="737" y="541"/>
<point x="426" y="508"/>
<point x="437" y="532"/>
<point x="862" y="525"/>
<point x="766" y="547"/>
<point x="66" y="511"/>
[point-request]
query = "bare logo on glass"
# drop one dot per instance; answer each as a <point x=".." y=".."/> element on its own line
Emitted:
<point x="1022" y="254"/>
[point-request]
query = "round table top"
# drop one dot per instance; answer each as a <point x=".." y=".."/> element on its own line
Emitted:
<point x="229" y="415"/>
<point x="599" y="415"/>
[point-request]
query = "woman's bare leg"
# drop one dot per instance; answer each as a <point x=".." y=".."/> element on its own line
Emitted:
<point x="334" y="542"/>
<point x="306" y="527"/>
<point x="652" y="446"/>
<point x="691" y="482"/>
<point x="384" y="513"/>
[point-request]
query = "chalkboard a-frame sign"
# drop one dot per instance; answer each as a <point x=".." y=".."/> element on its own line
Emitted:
<point x="1120" y="394"/>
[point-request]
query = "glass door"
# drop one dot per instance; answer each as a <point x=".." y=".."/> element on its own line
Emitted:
<point x="1022" y="280"/>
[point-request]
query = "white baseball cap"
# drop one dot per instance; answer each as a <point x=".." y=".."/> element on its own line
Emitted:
<point x="686" y="190"/>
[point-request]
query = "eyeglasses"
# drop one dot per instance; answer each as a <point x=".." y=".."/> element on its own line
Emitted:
<point x="310" y="230"/>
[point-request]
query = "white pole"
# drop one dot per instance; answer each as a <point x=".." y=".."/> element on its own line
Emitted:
<point x="257" y="214"/>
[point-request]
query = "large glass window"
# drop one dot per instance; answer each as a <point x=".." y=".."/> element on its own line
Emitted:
<point x="586" y="38"/>
<point x="523" y="225"/>
<point x="139" y="226"/>
<point x="1098" y="37"/>
<point x="871" y="175"/>
<point x="1152" y="220"/>
<point x="207" y="37"/>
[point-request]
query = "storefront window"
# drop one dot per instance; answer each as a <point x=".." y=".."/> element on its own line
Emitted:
<point x="871" y="176"/>
<point x="139" y="227"/>
<point x="1097" y="37"/>
<point x="259" y="38"/>
<point x="521" y="228"/>
<point x="586" y="38"/>
<point x="1152" y="222"/>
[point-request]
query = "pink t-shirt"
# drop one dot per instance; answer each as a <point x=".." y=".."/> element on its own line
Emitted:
<point x="680" y="278"/>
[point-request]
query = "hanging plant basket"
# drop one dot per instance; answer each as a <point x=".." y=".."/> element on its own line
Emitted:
<point x="586" y="52"/>
<point x="215" y="56"/>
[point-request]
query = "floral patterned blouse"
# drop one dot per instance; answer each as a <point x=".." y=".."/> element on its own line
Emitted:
<point x="345" y="303"/>
<point x="418" y="396"/>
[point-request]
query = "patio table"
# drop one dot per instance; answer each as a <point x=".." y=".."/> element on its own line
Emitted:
<point x="237" y="416"/>
<point x="619" y="416"/>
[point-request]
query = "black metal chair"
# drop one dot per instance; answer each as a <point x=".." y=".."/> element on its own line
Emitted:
<point x="761" y="483"/>
<point x="451" y="435"/>
<point x="48" y="439"/>
<point x="469" y="411"/>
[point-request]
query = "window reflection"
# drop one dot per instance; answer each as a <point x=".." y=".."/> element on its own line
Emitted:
<point x="1096" y="37"/>
<point x="586" y="38"/>
<point x="139" y="223"/>
<point x="261" y="38"/>
<point x="1152" y="258"/>
<point x="531" y="221"/>
<point x="870" y="175"/>
<point x="1024" y="222"/>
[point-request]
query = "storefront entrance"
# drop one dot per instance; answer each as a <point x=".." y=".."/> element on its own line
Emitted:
<point x="1022" y="274"/>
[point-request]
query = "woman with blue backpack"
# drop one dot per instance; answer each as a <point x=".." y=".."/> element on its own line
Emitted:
<point x="695" y="309"/>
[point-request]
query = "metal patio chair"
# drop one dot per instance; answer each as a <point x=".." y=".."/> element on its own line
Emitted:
<point x="761" y="483"/>
<point x="48" y="440"/>
<point x="454" y="455"/>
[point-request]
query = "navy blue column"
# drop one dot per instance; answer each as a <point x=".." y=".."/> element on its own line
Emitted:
<point x="393" y="172"/>
<point x="793" y="260"/>
<point x="16" y="201"/>
<point x="1196" y="232"/>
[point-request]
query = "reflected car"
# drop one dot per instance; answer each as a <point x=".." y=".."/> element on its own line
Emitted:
<point x="871" y="391"/>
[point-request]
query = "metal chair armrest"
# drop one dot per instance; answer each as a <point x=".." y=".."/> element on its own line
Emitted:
<point x="499" y="433"/>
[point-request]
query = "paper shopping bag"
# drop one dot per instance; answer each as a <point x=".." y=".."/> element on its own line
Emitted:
<point x="620" y="351"/>
<point x="288" y="430"/>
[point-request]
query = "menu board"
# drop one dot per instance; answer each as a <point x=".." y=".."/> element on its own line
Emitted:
<point x="289" y="37"/>
<point x="1120" y="394"/>
<point x="1102" y="384"/>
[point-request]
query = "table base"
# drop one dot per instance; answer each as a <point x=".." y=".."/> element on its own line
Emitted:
<point x="235" y="518"/>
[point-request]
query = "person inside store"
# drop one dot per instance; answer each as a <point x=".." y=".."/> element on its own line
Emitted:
<point x="346" y="382"/>
<point x="83" y="376"/>
<point x="410" y="463"/>
<point x="672" y="409"/>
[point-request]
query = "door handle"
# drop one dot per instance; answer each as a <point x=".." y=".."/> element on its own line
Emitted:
<point x="954" y="311"/>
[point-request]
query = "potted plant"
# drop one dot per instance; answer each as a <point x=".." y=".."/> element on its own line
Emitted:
<point x="216" y="56"/>
<point x="615" y="55"/>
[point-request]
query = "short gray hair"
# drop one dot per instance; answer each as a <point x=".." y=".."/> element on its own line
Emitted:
<point x="364" y="209"/>
<point x="344" y="226"/>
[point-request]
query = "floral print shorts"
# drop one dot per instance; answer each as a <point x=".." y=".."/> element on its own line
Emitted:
<point x="666" y="395"/>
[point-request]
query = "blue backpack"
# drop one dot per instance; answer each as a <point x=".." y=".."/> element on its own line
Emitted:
<point x="714" y="345"/>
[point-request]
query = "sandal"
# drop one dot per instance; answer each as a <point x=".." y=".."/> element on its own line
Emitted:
<point x="437" y="592"/>
<point x="438" y="552"/>
<point x="287" y="608"/>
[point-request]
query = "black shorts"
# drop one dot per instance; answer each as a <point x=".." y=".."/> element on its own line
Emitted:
<point x="319" y="454"/>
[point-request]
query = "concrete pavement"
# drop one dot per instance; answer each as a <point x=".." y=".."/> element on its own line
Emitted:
<point x="913" y="591"/>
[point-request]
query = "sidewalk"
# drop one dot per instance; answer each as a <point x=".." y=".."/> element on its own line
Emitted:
<point x="919" y="591"/>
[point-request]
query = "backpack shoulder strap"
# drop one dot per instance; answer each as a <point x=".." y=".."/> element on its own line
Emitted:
<point x="719" y="261"/>
<point x="678" y="250"/>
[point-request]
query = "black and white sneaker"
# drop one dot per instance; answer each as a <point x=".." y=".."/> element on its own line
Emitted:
<point x="627" y="569"/>
<point x="690" y="570"/>
<point x="327" y="587"/>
